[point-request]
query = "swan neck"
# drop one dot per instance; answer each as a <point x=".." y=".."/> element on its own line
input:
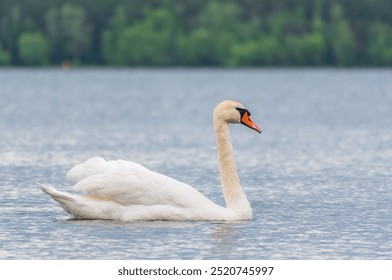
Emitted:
<point x="234" y="195"/>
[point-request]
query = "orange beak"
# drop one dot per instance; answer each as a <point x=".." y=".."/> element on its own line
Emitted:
<point x="246" y="120"/>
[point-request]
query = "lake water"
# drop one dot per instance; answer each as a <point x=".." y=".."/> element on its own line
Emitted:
<point x="319" y="177"/>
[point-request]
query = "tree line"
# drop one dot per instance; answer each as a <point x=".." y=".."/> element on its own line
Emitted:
<point x="196" y="32"/>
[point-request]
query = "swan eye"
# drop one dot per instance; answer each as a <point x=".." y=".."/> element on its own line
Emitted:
<point x="242" y="111"/>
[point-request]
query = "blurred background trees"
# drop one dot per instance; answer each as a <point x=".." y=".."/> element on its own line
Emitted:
<point x="196" y="32"/>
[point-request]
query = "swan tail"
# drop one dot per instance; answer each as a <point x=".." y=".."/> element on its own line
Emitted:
<point x="83" y="206"/>
<point x="59" y="196"/>
<point x="68" y="201"/>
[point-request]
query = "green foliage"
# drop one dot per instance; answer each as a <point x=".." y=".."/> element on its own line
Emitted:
<point x="265" y="52"/>
<point x="286" y="22"/>
<point x="148" y="42"/>
<point x="111" y="37"/>
<point x="341" y="37"/>
<point x="68" y="32"/>
<point x="5" y="58"/>
<point x="196" y="32"/>
<point x="220" y="16"/>
<point x="76" y="30"/>
<point x="197" y="48"/>
<point x="307" y="49"/>
<point x="10" y="28"/>
<point x="33" y="49"/>
<point x="380" y="45"/>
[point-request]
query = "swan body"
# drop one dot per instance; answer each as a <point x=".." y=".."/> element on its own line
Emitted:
<point x="127" y="191"/>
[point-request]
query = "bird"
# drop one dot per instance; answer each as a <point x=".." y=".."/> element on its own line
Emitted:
<point x="127" y="191"/>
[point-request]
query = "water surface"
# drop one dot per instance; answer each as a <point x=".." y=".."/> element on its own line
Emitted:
<point x="318" y="177"/>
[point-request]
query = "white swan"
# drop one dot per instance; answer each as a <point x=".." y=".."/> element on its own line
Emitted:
<point x="127" y="191"/>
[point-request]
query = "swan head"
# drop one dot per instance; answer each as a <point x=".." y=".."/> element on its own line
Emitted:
<point x="230" y="111"/>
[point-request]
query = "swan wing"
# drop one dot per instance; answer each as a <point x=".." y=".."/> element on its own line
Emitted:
<point x="97" y="165"/>
<point x="129" y="183"/>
